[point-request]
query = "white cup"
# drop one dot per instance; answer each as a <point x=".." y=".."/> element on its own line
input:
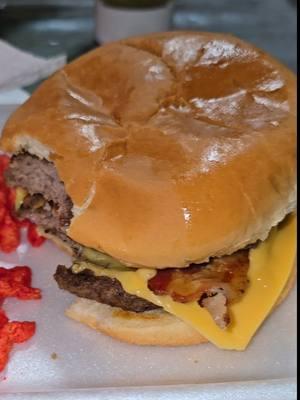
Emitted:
<point x="114" y="23"/>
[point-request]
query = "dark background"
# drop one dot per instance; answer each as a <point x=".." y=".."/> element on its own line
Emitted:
<point x="50" y="27"/>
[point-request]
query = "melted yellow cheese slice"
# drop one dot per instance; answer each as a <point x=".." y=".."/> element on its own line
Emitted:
<point x="20" y="196"/>
<point x="271" y="264"/>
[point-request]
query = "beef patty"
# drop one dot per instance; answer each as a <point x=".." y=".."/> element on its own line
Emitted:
<point x="46" y="203"/>
<point x="100" y="288"/>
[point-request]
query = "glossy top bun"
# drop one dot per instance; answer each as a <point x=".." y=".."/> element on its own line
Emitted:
<point x="173" y="147"/>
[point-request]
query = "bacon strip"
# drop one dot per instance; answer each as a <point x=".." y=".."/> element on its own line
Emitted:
<point x="214" y="285"/>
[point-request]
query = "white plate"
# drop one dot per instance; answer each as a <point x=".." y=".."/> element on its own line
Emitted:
<point x="110" y="369"/>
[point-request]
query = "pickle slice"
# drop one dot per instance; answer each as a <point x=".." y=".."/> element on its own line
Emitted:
<point x="102" y="259"/>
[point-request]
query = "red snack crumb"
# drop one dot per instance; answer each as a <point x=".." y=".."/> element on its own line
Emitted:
<point x="5" y="348"/>
<point x="3" y="318"/>
<point x="18" y="332"/>
<point x="11" y="333"/>
<point x="10" y="227"/>
<point x="9" y="234"/>
<point x="34" y="238"/>
<point x="15" y="282"/>
<point x="2" y="213"/>
<point x="24" y="223"/>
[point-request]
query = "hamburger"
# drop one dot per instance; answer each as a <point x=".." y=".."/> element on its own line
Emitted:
<point x="165" y="165"/>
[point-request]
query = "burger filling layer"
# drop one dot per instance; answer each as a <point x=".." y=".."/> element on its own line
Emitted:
<point x="213" y="285"/>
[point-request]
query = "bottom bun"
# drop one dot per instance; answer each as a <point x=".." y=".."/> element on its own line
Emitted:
<point x="155" y="328"/>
